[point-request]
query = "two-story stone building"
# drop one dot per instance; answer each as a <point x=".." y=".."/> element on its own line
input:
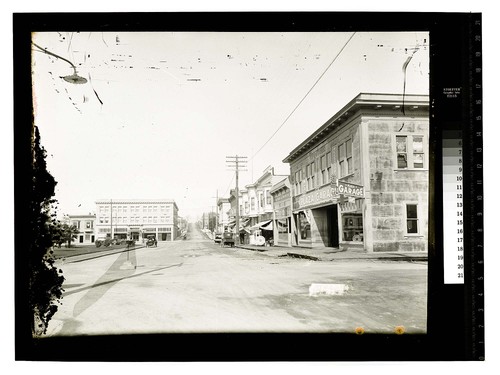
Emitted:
<point x="361" y="180"/>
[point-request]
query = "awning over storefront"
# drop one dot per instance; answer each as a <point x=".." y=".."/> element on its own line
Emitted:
<point x="266" y="225"/>
<point x="243" y="224"/>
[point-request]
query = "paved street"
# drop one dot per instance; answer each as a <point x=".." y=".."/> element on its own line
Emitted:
<point x="196" y="286"/>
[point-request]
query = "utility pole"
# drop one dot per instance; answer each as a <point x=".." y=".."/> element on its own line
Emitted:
<point x="111" y="220"/>
<point x="236" y="163"/>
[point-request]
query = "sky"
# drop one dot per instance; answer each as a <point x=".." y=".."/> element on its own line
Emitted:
<point x="161" y="110"/>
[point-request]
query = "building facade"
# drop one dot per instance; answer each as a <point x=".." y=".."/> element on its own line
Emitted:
<point x="223" y="211"/>
<point x="257" y="198"/>
<point x="282" y="212"/>
<point x="136" y="219"/>
<point x="85" y="225"/>
<point x="255" y="205"/>
<point x="361" y="180"/>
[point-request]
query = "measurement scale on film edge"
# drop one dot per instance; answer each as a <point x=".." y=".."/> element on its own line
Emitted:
<point x="458" y="250"/>
<point x="476" y="177"/>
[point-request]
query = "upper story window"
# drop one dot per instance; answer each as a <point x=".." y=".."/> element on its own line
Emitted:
<point x="297" y="183"/>
<point x="310" y="174"/>
<point x="268" y="197"/>
<point x="410" y="151"/>
<point x="252" y="203"/>
<point x="345" y="158"/>
<point x="325" y="166"/>
<point x="89" y="224"/>
<point x="412" y="225"/>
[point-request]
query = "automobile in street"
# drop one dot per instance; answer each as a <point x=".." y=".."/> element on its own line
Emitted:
<point x="217" y="237"/>
<point x="151" y="241"/>
<point x="227" y="239"/>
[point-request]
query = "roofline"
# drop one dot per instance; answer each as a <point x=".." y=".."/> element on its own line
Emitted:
<point x="136" y="201"/>
<point x="281" y="184"/>
<point x="368" y="100"/>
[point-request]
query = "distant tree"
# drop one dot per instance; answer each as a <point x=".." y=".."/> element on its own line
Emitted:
<point x="45" y="279"/>
<point x="57" y="233"/>
<point x="70" y="233"/>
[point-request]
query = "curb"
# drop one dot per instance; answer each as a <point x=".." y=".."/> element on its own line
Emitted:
<point x="395" y="258"/>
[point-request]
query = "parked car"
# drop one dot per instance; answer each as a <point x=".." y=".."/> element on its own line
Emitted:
<point x="217" y="237"/>
<point x="151" y="241"/>
<point x="227" y="239"/>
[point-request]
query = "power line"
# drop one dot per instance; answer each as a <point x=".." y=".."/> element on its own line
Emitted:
<point x="305" y="96"/>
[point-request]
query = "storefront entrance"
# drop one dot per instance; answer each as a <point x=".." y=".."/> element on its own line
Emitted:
<point x="333" y="226"/>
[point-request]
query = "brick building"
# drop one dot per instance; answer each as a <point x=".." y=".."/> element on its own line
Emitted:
<point x="361" y="180"/>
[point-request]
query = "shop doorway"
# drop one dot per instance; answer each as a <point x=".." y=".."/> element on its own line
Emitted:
<point x="333" y="226"/>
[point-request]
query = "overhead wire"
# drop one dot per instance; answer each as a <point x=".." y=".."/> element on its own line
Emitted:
<point x="305" y="96"/>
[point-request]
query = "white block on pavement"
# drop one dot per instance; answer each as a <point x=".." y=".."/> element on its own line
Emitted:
<point x="327" y="289"/>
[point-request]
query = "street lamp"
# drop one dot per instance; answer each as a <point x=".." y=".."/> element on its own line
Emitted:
<point x="73" y="78"/>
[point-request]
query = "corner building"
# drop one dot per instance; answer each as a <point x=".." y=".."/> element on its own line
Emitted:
<point x="136" y="219"/>
<point x="361" y="180"/>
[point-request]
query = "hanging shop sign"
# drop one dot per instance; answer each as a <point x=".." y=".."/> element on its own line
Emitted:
<point x="347" y="189"/>
<point x="350" y="190"/>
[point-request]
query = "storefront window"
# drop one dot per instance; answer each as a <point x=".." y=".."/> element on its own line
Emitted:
<point x="282" y="229"/>
<point x="282" y="226"/>
<point x="304" y="227"/>
<point x="352" y="227"/>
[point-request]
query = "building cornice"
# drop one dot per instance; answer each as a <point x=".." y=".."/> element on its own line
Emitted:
<point x="137" y="201"/>
<point x="283" y="184"/>
<point x="368" y="104"/>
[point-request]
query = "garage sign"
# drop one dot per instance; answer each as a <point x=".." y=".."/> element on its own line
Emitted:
<point x="350" y="190"/>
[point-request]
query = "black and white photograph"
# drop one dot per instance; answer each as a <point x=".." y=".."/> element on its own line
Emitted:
<point x="209" y="187"/>
<point x="236" y="182"/>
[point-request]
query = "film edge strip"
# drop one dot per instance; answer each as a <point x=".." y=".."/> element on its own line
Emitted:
<point x="477" y="235"/>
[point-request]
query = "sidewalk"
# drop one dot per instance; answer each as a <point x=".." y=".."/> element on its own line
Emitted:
<point x="333" y="254"/>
